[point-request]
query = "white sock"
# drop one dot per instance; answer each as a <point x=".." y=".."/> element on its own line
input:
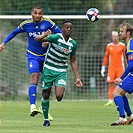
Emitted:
<point x="32" y="106"/>
<point x="46" y="119"/>
<point x="40" y="107"/>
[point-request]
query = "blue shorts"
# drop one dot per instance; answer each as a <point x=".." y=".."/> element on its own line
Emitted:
<point x="127" y="84"/>
<point x="35" y="63"/>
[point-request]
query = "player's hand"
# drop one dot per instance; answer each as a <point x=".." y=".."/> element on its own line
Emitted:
<point x="41" y="37"/>
<point x="46" y="33"/>
<point x="78" y="83"/>
<point x="117" y="81"/>
<point x="103" y="71"/>
<point x="45" y="44"/>
<point x="2" y="47"/>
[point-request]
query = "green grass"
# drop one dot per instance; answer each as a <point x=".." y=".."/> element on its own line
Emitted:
<point x="69" y="117"/>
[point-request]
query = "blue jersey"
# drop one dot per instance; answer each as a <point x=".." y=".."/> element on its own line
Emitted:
<point x="129" y="56"/>
<point x="32" y="29"/>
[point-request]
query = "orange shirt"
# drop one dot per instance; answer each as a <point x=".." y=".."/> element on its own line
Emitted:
<point x="115" y="54"/>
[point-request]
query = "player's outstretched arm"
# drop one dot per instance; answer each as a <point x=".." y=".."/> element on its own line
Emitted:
<point x="10" y="36"/>
<point x="74" y="66"/>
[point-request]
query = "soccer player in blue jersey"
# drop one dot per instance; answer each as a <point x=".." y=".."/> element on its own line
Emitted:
<point x="55" y="66"/>
<point x="125" y="82"/>
<point x="35" y="52"/>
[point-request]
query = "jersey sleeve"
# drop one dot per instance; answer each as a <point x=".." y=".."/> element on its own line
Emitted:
<point x="52" y="38"/>
<point x="129" y="67"/>
<point x="12" y="34"/>
<point x="106" y="56"/>
<point x="73" y="53"/>
<point x="55" y="29"/>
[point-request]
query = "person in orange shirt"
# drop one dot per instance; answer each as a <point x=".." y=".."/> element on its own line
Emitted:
<point x="115" y="52"/>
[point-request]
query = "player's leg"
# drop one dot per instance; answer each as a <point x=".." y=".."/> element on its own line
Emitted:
<point x="40" y="110"/>
<point x="118" y="93"/>
<point x="33" y="93"/>
<point x="34" y="70"/>
<point x="39" y="66"/>
<point x="126" y="103"/>
<point x="127" y="85"/>
<point x="60" y="84"/>
<point x="45" y="106"/>
<point x="47" y="82"/>
<point x="128" y="110"/>
<point x="59" y="92"/>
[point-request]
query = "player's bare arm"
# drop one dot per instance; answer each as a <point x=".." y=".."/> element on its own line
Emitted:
<point x="2" y="46"/>
<point x="74" y="66"/>
<point x="45" y="44"/>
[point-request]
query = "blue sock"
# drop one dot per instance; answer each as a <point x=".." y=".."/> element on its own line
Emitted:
<point x="126" y="106"/>
<point x="32" y="93"/>
<point x="120" y="105"/>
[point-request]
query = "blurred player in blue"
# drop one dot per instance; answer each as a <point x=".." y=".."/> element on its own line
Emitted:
<point x="35" y="52"/>
<point x="125" y="82"/>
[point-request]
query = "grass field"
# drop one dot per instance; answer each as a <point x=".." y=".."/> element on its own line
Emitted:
<point x="69" y="117"/>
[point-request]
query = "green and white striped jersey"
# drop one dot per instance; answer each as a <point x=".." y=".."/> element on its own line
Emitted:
<point x="58" y="52"/>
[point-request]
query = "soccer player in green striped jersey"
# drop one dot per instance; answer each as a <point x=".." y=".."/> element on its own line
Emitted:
<point x="55" y="66"/>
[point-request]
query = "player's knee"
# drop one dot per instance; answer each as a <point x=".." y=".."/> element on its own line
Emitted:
<point x="59" y="97"/>
<point x="46" y="96"/>
<point x="34" y="77"/>
<point x="46" y="93"/>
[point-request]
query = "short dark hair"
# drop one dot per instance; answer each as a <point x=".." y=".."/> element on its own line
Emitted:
<point x="37" y="7"/>
<point x="66" y="21"/>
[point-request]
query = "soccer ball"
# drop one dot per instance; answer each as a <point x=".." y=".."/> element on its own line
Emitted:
<point x="93" y="14"/>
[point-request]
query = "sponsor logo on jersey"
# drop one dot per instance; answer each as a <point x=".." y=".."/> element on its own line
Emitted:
<point x="34" y="34"/>
<point x="62" y="49"/>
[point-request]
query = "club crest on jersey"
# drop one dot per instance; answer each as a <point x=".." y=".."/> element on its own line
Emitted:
<point x="130" y="57"/>
<point x="119" y="48"/>
<point x="42" y="27"/>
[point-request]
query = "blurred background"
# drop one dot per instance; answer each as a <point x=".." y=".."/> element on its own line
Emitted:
<point x="92" y="38"/>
